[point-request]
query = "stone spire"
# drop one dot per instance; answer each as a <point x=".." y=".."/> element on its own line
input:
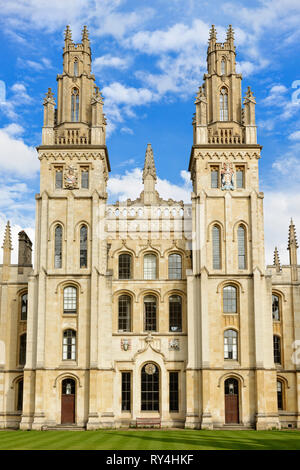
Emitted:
<point x="7" y="245"/>
<point x="292" y="244"/>
<point x="276" y="261"/>
<point x="149" y="165"/>
<point x="292" y="247"/>
<point x="149" y="177"/>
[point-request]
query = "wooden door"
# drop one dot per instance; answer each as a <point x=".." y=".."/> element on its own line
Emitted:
<point x="231" y="401"/>
<point x="68" y="402"/>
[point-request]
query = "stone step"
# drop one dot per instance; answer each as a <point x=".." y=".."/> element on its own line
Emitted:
<point x="233" y="427"/>
<point x="64" y="427"/>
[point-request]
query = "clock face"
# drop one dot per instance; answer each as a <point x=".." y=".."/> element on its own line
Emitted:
<point x="150" y="369"/>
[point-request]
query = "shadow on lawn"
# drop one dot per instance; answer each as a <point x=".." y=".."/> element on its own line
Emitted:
<point x="258" y="440"/>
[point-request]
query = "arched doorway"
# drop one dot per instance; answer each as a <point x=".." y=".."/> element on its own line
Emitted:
<point x="150" y="387"/>
<point x="231" y="389"/>
<point x="68" y="394"/>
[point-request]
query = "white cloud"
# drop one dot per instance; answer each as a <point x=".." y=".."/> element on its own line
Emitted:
<point x="120" y="94"/>
<point x="279" y="207"/>
<point x="179" y="37"/>
<point x="120" y="100"/>
<point x="126" y="130"/>
<point x="129" y="185"/>
<point x="108" y="60"/>
<point x="295" y="135"/>
<point x="15" y="229"/>
<point x="16" y="157"/>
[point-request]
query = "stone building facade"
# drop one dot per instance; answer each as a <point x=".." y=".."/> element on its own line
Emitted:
<point x="149" y="311"/>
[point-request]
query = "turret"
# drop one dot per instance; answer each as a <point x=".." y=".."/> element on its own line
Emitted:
<point x="79" y="118"/>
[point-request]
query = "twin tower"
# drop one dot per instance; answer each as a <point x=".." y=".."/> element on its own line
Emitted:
<point x="151" y="311"/>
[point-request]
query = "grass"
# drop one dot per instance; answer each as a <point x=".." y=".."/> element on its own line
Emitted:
<point x="150" y="440"/>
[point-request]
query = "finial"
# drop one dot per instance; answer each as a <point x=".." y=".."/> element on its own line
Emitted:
<point x="249" y="96"/>
<point x="49" y="98"/>
<point x="276" y="260"/>
<point x="149" y="165"/>
<point x="7" y="237"/>
<point x="230" y="33"/>
<point x="85" y="34"/>
<point x="68" y="33"/>
<point x="292" y="236"/>
<point x="212" y="33"/>
<point x="200" y="95"/>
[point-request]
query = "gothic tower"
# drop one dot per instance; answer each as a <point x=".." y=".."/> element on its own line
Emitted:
<point x="70" y="249"/>
<point x="230" y="339"/>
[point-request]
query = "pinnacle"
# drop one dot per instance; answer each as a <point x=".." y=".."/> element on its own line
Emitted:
<point x="149" y="165"/>
<point x="230" y="33"/>
<point x="292" y="235"/>
<point x="68" y="33"/>
<point x="7" y="237"/>
<point x="276" y="261"/>
<point x="212" y="33"/>
<point x="85" y="33"/>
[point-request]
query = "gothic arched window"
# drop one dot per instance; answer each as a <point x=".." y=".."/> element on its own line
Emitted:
<point x="69" y="345"/>
<point x="124" y="321"/>
<point x="76" y="68"/>
<point x="280" y="393"/>
<point x="175" y="313"/>
<point x="22" y="349"/>
<point x="70" y="300"/>
<point x="150" y="313"/>
<point x="223" y="66"/>
<point x="75" y="105"/>
<point x="58" y="246"/>
<point x="230" y="344"/>
<point x="223" y="104"/>
<point x="229" y="299"/>
<point x="83" y="246"/>
<point x="277" y="349"/>
<point x="125" y="261"/>
<point x="216" y="247"/>
<point x="24" y="299"/>
<point x="174" y="266"/>
<point x="275" y="307"/>
<point x="150" y="266"/>
<point x="241" y="236"/>
<point x="150" y="388"/>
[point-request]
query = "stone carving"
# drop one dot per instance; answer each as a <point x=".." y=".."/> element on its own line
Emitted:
<point x="125" y="344"/>
<point x="150" y="369"/>
<point x="227" y="176"/>
<point x="71" y="177"/>
<point x="174" y="345"/>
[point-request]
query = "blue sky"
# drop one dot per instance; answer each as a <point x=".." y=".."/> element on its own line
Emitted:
<point x="149" y="59"/>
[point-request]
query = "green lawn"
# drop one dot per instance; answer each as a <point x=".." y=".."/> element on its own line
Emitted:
<point x="149" y="440"/>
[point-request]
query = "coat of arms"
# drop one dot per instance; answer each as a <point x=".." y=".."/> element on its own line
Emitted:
<point x="71" y="177"/>
<point x="227" y="176"/>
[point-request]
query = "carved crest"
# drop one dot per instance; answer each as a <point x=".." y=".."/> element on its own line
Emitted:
<point x="174" y="345"/>
<point x="150" y="369"/>
<point x="125" y="344"/>
<point x="71" y="177"/>
<point x="227" y="176"/>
